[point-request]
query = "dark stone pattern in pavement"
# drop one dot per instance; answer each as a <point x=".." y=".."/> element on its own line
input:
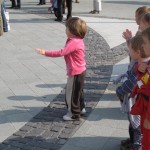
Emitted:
<point x="47" y="130"/>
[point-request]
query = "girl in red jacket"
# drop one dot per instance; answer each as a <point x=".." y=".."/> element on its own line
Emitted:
<point x="74" y="55"/>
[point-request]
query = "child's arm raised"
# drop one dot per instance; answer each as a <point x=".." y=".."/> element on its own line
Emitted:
<point x="127" y="34"/>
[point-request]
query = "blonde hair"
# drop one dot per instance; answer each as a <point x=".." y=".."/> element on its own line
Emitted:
<point x="136" y="44"/>
<point x="146" y="18"/>
<point x="141" y="11"/>
<point x="77" y="26"/>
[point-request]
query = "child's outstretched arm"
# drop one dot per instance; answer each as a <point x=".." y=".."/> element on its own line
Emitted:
<point x="41" y="51"/>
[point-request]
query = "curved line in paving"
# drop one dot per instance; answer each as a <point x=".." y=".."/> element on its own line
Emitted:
<point x="47" y="130"/>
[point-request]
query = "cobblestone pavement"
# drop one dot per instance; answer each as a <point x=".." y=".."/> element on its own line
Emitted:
<point x="47" y="130"/>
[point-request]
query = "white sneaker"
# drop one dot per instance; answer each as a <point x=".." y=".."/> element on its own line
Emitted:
<point x="67" y="117"/>
<point x="83" y="112"/>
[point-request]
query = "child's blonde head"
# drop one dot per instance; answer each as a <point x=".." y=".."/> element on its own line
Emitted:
<point x="141" y="11"/>
<point x="77" y="26"/>
<point x="137" y="45"/>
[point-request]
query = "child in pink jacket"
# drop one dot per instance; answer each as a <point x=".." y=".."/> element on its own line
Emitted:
<point x="74" y="55"/>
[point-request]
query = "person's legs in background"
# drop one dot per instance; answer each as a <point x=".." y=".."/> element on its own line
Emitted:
<point x="18" y="4"/>
<point x="13" y="5"/>
<point x="69" y="8"/>
<point x="1" y="20"/>
<point x="42" y="2"/>
<point x="59" y="11"/>
<point x="5" y="27"/>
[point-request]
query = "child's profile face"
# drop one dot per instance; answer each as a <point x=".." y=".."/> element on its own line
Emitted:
<point x="146" y="46"/>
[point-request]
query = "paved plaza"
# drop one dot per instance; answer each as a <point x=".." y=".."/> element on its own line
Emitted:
<point x="32" y="86"/>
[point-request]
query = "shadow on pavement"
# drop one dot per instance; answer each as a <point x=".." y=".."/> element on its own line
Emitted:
<point x="46" y="141"/>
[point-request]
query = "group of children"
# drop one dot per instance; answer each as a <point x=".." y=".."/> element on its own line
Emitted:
<point x="134" y="93"/>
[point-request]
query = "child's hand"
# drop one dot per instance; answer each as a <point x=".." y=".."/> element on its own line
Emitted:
<point x="41" y="51"/>
<point x="142" y="67"/>
<point x="146" y="124"/>
<point x="127" y="34"/>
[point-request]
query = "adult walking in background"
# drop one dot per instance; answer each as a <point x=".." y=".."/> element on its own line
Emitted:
<point x="59" y="10"/>
<point x="3" y="10"/>
<point x="16" y="5"/>
<point x="69" y="8"/>
<point x="13" y="4"/>
<point x="42" y="2"/>
<point x="1" y="21"/>
<point x="97" y="7"/>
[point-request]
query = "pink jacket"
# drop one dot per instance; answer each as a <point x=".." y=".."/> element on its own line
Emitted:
<point x="74" y="53"/>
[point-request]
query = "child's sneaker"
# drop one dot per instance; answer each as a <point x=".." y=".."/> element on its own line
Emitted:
<point x="83" y="112"/>
<point x="67" y="118"/>
<point x="70" y="117"/>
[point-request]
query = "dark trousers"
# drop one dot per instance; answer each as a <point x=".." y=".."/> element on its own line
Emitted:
<point x="60" y="9"/>
<point x="69" y="8"/>
<point x="42" y="2"/>
<point x="14" y="3"/>
<point x="19" y="3"/>
<point x="74" y="94"/>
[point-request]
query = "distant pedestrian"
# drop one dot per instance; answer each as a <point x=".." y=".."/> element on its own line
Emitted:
<point x="42" y="2"/>
<point x="3" y="13"/>
<point x="59" y="11"/>
<point x="97" y="7"/>
<point x="69" y="8"/>
<point x="53" y="7"/>
<point x="74" y="55"/>
<point x="1" y="20"/>
<point x="16" y="4"/>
